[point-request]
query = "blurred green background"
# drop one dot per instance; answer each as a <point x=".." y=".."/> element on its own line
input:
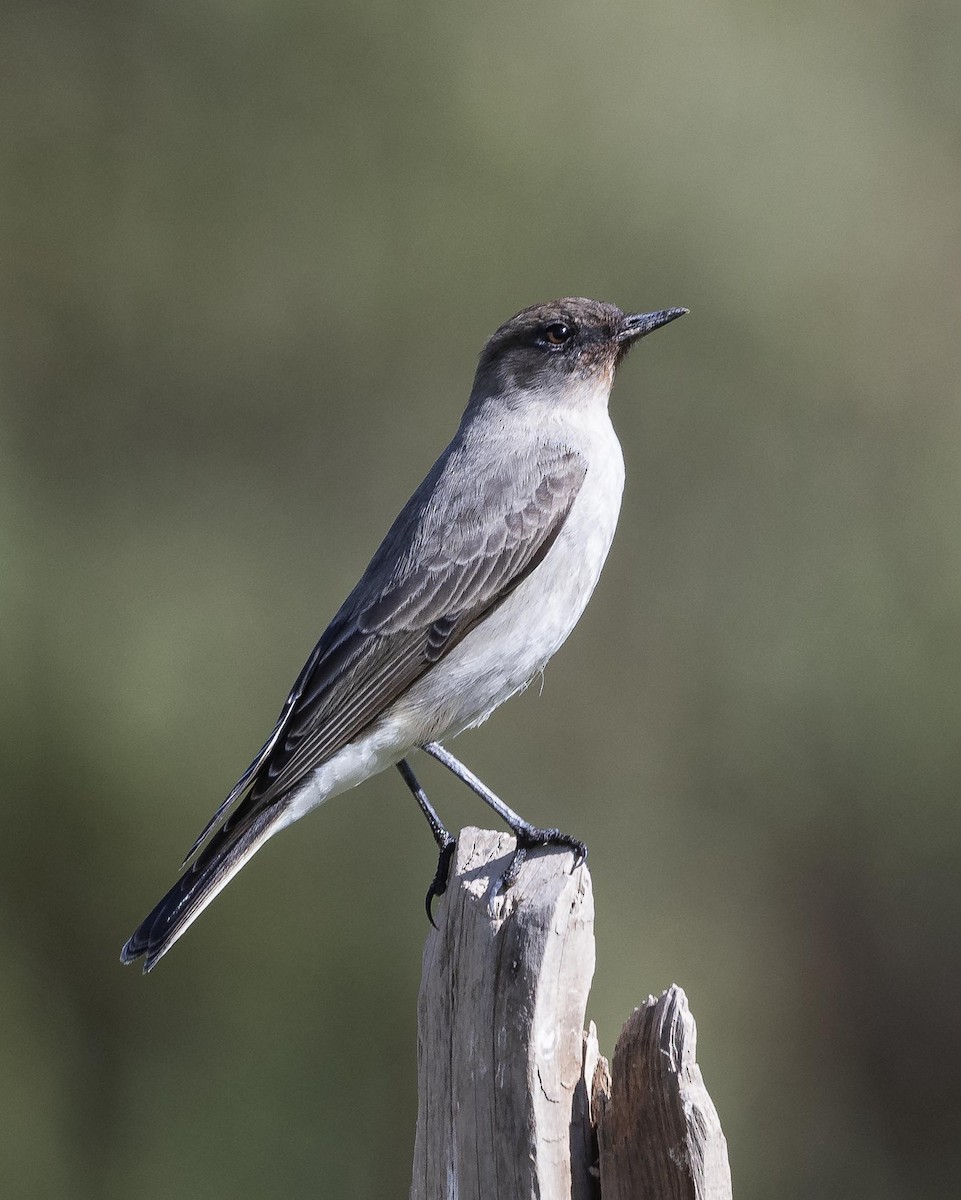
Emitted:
<point x="250" y="253"/>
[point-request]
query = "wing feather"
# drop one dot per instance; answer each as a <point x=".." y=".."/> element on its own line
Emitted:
<point x="453" y="554"/>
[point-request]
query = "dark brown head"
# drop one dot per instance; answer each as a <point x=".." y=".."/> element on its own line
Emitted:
<point x="566" y="342"/>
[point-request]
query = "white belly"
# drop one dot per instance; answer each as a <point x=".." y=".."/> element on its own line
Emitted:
<point x="511" y="646"/>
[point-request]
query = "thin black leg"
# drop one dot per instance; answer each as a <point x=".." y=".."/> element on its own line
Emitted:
<point x="528" y="835"/>
<point x="445" y="841"/>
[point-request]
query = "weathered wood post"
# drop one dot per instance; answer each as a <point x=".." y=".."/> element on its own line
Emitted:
<point x="514" y="1100"/>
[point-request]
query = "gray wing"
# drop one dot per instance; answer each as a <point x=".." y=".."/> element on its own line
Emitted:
<point x="463" y="542"/>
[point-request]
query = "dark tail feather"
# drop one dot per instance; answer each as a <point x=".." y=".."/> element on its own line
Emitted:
<point x="200" y="883"/>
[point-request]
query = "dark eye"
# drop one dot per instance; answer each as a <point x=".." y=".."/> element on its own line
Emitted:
<point x="559" y="333"/>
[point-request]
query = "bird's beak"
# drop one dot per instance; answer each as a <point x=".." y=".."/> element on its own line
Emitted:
<point x="638" y="325"/>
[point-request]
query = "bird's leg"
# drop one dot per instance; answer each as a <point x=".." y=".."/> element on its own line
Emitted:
<point x="445" y="841"/>
<point x="528" y="836"/>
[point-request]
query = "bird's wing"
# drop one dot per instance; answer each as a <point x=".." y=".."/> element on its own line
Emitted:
<point x="451" y="556"/>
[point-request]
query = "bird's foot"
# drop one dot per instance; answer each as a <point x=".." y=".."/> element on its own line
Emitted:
<point x="439" y="883"/>
<point x="531" y="838"/>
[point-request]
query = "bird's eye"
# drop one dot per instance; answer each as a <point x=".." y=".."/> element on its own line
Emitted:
<point x="559" y="334"/>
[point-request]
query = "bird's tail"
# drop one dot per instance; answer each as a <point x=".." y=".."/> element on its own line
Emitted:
<point x="201" y="882"/>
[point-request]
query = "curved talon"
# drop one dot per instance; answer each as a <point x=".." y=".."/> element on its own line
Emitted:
<point x="533" y="838"/>
<point x="529" y="838"/>
<point x="438" y="884"/>
<point x="509" y="878"/>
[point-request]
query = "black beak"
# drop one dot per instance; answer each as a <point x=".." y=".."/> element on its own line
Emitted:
<point x="638" y="325"/>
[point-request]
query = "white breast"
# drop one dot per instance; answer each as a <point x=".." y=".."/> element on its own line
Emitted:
<point x="502" y="654"/>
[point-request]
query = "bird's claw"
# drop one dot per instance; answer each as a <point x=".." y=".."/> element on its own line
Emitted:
<point x="439" y="883"/>
<point x="531" y="839"/>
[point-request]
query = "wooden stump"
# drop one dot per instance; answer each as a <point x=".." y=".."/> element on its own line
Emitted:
<point x="510" y="1087"/>
<point x="659" y="1131"/>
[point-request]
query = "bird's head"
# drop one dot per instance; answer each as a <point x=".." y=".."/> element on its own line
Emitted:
<point x="571" y="343"/>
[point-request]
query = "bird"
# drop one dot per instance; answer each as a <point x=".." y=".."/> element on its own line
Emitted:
<point x="477" y="583"/>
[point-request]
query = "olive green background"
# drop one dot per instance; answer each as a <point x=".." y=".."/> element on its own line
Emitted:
<point x="250" y="252"/>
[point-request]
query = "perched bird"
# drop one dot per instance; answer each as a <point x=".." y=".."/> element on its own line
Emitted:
<point x="478" y="582"/>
